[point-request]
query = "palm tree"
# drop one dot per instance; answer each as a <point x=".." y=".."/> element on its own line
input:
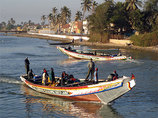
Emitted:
<point x="29" y="22"/>
<point x="132" y="7"/>
<point x="94" y="4"/>
<point x="133" y="4"/>
<point x="78" y="16"/>
<point x="43" y="19"/>
<point x="50" y="19"/>
<point x="65" y="15"/>
<point x="4" y="24"/>
<point x="54" y="11"/>
<point x="58" y="18"/>
<point x="54" y="14"/>
<point x="58" y="22"/>
<point x="151" y="8"/>
<point x="12" y="21"/>
<point x="86" y="6"/>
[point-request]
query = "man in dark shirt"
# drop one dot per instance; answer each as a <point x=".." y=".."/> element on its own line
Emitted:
<point x="91" y="66"/>
<point x="27" y="63"/>
<point x="30" y="75"/>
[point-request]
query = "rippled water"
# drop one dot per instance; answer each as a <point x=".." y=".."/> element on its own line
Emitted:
<point x="17" y="100"/>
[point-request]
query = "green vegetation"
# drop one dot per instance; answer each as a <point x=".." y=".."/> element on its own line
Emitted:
<point x="126" y="18"/>
<point x="99" y="21"/>
<point x="95" y="37"/>
<point x="147" y="39"/>
<point x="146" y="23"/>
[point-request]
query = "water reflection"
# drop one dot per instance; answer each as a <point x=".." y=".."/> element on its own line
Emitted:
<point x="69" y="61"/>
<point x="59" y="107"/>
<point x="139" y="54"/>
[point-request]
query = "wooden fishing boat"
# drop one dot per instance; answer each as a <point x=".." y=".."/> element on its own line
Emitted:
<point x="91" y="54"/>
<point x="102" y="92"/>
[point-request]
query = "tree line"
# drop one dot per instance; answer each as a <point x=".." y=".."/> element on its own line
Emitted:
<point x="63" y="16"/>
<point x="11" y="25"/>
<point x="124" y="18"/>
<point x="7" y="26"/>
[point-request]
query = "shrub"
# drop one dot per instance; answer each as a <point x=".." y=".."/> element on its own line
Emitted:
<point x="147" y="39"/>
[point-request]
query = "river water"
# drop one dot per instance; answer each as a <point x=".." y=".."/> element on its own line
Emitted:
<point x="18" y="101"/>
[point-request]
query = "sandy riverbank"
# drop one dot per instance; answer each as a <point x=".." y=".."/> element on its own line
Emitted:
<point x="94" y="44"/>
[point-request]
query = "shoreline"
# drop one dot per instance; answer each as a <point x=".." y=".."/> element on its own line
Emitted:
<point x="86" y="43"/>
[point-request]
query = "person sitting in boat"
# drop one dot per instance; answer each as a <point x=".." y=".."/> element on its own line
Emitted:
<point x="44" y="77"/>
<point x="30" y="75"/>
<point x="91" y="66"/>
<point x="64" y="78"/>
<point x="69" y="48"/>
<point x="115" y="75"/>
<point x="71" y="79"/>
<point x="119" y="54"/>
<point x="112" y="76"/>
<point x="96" y="75"/>
<point x="72" y="40"/>
<point x="95" y="52"/>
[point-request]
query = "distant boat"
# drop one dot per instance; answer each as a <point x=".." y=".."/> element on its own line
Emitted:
<point x="101" y="55"/>
<point x="61" y="43"/>
<point x="102" y="92"/>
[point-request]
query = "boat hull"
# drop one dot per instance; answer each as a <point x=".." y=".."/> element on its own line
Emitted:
<point x="103" y="92"/>
<point x="88" y="56"/>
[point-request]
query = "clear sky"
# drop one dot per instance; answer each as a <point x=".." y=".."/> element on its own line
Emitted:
<point x="24" y="10"/>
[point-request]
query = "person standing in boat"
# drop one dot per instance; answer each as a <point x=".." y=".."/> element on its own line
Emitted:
<point x="44" y="77"/>
<point x="91" y="66"/>
<point x="27" y="65"/>
<point x="96" y="76"/>
<point x="52" y="76"/>
<point x="72" y="40"/>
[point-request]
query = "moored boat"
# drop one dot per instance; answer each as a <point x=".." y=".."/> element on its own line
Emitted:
<point x="102" y="92"/>
<point x="63" y="43"/>
<point x="91" y="54"/>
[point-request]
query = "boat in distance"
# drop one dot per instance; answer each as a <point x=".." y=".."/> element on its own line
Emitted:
<point x="91" y="54"/>
<point x="102" y="92"/>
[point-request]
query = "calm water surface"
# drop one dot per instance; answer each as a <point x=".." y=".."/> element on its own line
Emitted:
<point x="17" y="100"/>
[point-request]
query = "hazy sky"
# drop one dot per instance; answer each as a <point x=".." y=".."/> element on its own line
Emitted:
<point x="24" y="10"/>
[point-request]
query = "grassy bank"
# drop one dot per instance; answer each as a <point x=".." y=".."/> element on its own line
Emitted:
<point x="145" y="40"/>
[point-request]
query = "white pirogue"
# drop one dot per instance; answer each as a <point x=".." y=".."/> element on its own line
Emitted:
<point x="102" y="92"/>
<point x="91" y="54"/>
